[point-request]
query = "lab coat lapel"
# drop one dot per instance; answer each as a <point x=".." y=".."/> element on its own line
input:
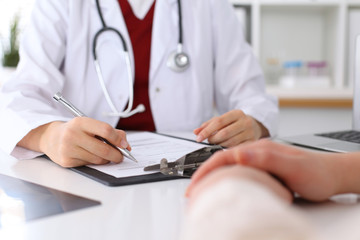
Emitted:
<point x="164" y="34"/>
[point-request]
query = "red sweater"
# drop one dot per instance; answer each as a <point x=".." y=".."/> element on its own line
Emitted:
<point x="140" y="34"/>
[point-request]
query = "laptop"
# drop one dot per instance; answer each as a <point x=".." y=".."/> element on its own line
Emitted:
<point x="342" y="141"/>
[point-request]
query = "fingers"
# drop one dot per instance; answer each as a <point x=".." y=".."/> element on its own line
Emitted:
<point x="99" y="150"/>
<point x="230" y="129"/>
<point x="212" y="126"/>
<point x="297" y="169"/>
<point x="218" y="160"/>
<point x="90" y="158"/>
<point x="232" y="135"/>
<point x="82" y="132"/>
<point x="98" y="128"/>
<point x="280" y="160"/>
<point x="307" y="173"/>
<point x="74" y="143"/>
<point x="71" y="155"/>
<point x="75" y="162"/>
<point x="264" y="155"/>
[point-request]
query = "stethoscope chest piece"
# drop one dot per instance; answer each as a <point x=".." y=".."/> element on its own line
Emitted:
<point x="178" y="61"/>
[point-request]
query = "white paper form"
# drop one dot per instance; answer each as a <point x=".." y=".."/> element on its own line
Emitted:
<point x="148" y="148"/>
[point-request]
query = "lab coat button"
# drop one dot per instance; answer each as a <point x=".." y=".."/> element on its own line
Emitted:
<point x="157" y="90"/>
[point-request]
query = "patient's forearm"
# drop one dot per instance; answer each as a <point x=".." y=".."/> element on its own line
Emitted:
<point x="349" y="165"/>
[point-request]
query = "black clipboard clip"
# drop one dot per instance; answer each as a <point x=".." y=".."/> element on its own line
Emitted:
<point x="186" y="165"/>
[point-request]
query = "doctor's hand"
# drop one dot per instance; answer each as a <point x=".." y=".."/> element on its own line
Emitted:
<point x="231" y="129"/>
<point x="73" y="143"/>
<point x="315" y="176"/>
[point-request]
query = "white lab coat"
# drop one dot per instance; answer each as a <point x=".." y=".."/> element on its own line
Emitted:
<point x="56" y="55"/>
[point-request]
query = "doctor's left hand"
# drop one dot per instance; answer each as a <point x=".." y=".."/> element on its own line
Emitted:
<point x="231" y="129"/>
<point x="73" y="143"/>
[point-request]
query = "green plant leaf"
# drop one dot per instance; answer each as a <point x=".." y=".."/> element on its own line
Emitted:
<point x="11" y="55"/>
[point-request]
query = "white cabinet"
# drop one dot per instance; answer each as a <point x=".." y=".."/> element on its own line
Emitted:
<point x="304" y="44"/>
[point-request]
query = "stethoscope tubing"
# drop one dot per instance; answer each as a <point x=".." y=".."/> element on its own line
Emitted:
<point x="180" y="23"/>
<point x="175" y="67"/>
<point x="108" y="29"/>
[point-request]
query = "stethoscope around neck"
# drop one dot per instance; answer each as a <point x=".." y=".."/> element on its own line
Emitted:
<point x="178" y="61"/>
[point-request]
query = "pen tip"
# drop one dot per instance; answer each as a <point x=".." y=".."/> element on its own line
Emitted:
<point x="132" y="157"/>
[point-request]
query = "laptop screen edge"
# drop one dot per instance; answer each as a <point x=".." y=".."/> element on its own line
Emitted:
<point x="356" y="100"/>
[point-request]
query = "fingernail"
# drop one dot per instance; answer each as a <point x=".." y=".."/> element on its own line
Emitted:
<point x="124" y="144"/>
<point x="199" y="138"/>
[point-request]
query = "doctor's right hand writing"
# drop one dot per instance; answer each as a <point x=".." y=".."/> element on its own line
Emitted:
<point x="73" y="143"/>
<point x="231" y="129"/>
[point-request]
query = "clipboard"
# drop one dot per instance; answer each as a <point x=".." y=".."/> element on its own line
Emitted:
<point x="112" y="181"/>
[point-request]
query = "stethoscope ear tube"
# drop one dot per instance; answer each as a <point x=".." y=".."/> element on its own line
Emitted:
<point x="107" y="29"/>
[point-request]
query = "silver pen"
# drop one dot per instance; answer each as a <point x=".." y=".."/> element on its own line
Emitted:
<point x="76" y="112"/>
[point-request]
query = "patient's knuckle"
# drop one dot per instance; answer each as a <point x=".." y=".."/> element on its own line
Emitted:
<point x="266" y="155"/>
<point x="263" y="143"/>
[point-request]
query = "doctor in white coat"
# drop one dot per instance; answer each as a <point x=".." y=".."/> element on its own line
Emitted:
<point x="56" y="56"/>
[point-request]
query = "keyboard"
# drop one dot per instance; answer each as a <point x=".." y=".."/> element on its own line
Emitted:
<point x="349" y="136"/>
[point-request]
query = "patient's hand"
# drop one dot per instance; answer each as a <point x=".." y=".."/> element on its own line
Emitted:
<point x="315" y="176"/>
<point x="243" y="173"/>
